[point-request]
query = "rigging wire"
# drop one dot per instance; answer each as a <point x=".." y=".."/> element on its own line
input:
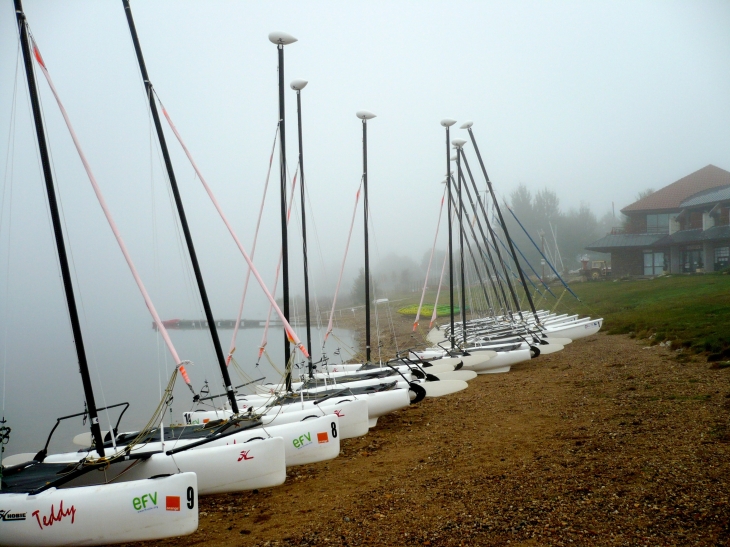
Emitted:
<point x="313" y="284"/>
<point x="264" y="340"/>
<point x="342" y="267"/>
<point x="430" y="260"/>
<point x="8" y="175"/>
<point x="253" y="248"/>
<point x="117" y="235"/>
<point x="161" y="360"/>
<point x="93" y="361"/>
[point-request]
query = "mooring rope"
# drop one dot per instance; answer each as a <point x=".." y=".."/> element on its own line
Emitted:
<point x="237" y="324"/>
<point x="110" y="220"/>
<point x="287" y="327"/>
<point x="430" y="259"/>
<point x="342" y="268"/>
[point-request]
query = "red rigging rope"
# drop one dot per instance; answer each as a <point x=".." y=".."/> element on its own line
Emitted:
<point x="253" y="253"/>
<point x="158" y="322"/>
<point x="287" y="327"/>
<point x="264" y="339"/>
<point x="438" y="292"/>
<point x="342" y="268"/>
<point x="428" y="270"/>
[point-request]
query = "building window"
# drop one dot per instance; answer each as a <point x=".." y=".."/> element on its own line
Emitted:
<point x="654" y="263"/>
<point x="657" y="224"/>
<point x="722" y="258"/>
<point x="691" y="259"/>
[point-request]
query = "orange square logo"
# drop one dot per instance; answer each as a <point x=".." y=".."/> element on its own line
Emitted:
<point x="323" y="437"/>
<point x="172" y="503"/>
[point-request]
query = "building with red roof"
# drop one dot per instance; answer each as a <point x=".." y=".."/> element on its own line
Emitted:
<point x="683" y="227"/>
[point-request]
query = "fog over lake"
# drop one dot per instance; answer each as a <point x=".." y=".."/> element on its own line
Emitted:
<point x="594" y="100"/>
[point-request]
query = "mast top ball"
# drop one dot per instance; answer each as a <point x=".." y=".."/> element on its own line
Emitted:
<point x="467" y="125"/>
<point x="281" y="38"/>
<point x="298" y="85"/>
<point x="447" y="122"/>
<point x="458" y="143"/>
<point x="364" y="115"/>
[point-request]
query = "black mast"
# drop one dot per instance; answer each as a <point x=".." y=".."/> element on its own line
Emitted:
<point x="284" y="235"/>
<point x="364" y="116"/>
<point x="181" y="212"/>
<point x="504" y="227"/>
<point x="298" y="85"/>
<point x="491" y="234"/>
<point x="281" y="39"/>
<point x="458" y="143"/>
<point x="58" y="233"/>
<point x="473" y="258"/>
<point x="447" y="123"/>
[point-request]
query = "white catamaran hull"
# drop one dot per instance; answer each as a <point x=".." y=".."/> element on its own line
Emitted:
<point x="352" y="414"/>
<point x="379" y="403"/>
<point x="575" y="330"/>
<point x="308" y="441"/>
<point x="443" y="387"/>
<point x="464" y="375"/>
<point x="402" y="380"/>
<point x="504" y="360"/>
<point x="220" y="469"/>
<point x="100" y="515"/>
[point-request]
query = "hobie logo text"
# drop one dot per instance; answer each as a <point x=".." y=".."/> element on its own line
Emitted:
<point x="303" y="440"/>
<point x="244" y="455"/>
<point x="9" y="516"/>
<point x="55" y="516"/>
<point x="141" y="504"/>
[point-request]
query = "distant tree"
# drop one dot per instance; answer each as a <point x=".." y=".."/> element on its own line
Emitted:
<point x="521" y="202"/>
<point x="406" y="277"/>
<point x="570" y="231"/>
<point x="436" y="265"/>
<point x="357" y="293"/>
<point x="579" y="228"/>
<point x="546" y="206"/>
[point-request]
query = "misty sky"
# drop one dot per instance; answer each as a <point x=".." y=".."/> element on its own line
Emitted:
<point x="595" y="100"/>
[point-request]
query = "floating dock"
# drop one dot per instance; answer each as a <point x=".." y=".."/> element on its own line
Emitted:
<point x="191" y="324"/>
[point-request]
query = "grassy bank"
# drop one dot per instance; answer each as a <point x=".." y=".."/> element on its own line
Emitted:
<point x="690" y="311"/>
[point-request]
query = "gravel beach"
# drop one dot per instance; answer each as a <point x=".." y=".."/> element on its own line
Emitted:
<point x="610" y="442"/>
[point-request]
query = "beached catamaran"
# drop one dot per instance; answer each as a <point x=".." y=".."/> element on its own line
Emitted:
<point x="509" y="336"/>
<point x="212" y="451"/>
<point x="39" y="506"/>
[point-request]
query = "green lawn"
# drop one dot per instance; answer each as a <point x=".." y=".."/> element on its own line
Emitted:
<point x="691" y="311"/>
<point x="427" y="310"/>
